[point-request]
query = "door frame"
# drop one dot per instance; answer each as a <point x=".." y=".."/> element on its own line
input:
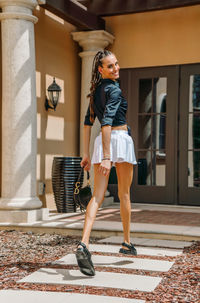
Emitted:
<point x="130" y="84"/>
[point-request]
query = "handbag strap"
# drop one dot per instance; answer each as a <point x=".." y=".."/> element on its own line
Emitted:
<point x="80" y="174"/>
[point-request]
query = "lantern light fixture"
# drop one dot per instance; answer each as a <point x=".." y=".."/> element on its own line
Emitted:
<point x="54" y="91"/>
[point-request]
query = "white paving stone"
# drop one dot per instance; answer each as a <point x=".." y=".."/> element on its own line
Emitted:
<point x="120" y="262"/>
<point x="101" y="279"/>
<point x="148" y="242"/>
<point x="119" y="240"/>
<point x="106" y="248"/>
<point x="167" y="243"/>
<point x="193" y="230"/>
<point x="24" y="296"/>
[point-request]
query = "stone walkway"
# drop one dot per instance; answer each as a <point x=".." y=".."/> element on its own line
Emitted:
<point x="9" y="296"/>
<point x="111" y="272"/>
<point x="118" y="278"/>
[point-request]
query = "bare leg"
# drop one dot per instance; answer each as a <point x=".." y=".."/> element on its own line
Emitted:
<point x="125" y="177"/>
<point x="100" y="186"/>
<point x="83" y="255"/>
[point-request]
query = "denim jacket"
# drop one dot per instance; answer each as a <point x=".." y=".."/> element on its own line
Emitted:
<point x="110" y="106"/>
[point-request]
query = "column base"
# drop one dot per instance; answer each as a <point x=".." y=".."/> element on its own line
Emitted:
<point x="20" y="203"/>
<point x="23" y="216"/>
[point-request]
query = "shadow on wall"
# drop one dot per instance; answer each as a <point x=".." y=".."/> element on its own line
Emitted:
<point x="57" y="131"/>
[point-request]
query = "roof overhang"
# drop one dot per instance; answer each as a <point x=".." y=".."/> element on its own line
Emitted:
<point x="75" y="14"/>
<point x="87" y="14"/>
<point x="121" y="7"/>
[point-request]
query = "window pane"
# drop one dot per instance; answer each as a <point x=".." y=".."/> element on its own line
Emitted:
<point x="194" y="131"/>
<point x="194" y="168"/>
<point x="145" y="128"/>
<point x="145" y="95"/>
<point x="144" y="168"/>
<point x="152" y="95"/>
<point x="158" y="169"/>
<point x="160" y="95"/>
<point x="152" y="131"/>
<point x="158" y="131"/>
<point x="162" y="131"/>
<point x="194" y="95"/>
<point x="151" y="168"/>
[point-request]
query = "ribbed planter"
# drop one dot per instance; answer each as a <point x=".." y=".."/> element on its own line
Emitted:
<point x="65" y="171"/>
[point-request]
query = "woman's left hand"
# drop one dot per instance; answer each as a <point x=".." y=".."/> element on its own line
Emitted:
<point x="105" y="167"/>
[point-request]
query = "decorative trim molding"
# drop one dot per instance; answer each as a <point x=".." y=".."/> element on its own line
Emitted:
<point x="27" y="17"/>
<point x="31" y="4"/>
<point x="93" y="40"/>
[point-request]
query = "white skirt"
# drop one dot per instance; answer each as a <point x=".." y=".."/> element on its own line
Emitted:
<point x="121" y="148"/>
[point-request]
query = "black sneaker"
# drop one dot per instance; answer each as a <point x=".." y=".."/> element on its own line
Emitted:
<point x="84" y="260"/>
<point x="130" y="251"/>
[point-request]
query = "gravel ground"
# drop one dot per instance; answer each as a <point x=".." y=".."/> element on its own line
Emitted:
<point x="22" y="253"/>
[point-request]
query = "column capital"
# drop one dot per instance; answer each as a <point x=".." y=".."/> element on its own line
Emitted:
<point x="93" y="40"/>
<point x="31" y="4"/>
<point x="18" y="9"/>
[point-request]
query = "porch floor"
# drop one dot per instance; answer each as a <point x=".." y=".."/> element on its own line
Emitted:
<point x="148" y="221"/>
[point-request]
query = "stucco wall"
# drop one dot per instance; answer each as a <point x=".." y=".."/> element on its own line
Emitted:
<point x="0" y="106"/>
<point x="157" y="38"/>
<point x="56" y="56"/>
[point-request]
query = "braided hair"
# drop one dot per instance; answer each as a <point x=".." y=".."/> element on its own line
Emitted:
<point x="96" y="78"/>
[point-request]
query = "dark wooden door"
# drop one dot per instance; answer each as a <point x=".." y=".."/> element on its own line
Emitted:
<point x="152" y="95"/>
<point x="189" y="136"/>
<point x="164" y="115"/>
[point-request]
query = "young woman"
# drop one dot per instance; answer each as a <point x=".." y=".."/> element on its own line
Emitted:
<point x="113" y="146"/>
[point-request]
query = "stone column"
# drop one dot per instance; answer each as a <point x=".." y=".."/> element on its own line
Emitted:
<point x="19" y="141"/>
<point x="91" y="42"/>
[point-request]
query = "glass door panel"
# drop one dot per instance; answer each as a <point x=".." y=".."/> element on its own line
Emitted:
<point x="194" y="132"/>
<point x="189" y="172"/>
<point x="152" y="94"/>
<point x="152" y="131"/>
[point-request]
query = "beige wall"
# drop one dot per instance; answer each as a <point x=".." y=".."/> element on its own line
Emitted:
<point x="156" y="38"/>
<point x="56" y="55"/>
<point x="0" y="106"/>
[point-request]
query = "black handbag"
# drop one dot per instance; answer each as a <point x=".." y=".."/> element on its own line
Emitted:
<point x="82" y="195"/>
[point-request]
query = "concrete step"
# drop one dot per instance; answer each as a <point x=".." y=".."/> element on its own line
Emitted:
<point x="101" y="279"/>
<point x="67" y="226"/>
<point x="24" y="296"/>
<point x="148" y="242"/>
<point x="141" y="250"/>
<point x="120" y="262"/>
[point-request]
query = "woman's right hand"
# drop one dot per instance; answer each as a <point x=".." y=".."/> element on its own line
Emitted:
<point x="86" y="163"/>
<point x="104" y="167"/>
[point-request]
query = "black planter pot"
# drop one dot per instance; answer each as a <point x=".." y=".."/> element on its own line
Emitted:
<point x="65" y="171"/>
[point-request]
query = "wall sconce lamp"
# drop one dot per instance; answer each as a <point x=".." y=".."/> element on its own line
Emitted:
<point x="54" y="91"/>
